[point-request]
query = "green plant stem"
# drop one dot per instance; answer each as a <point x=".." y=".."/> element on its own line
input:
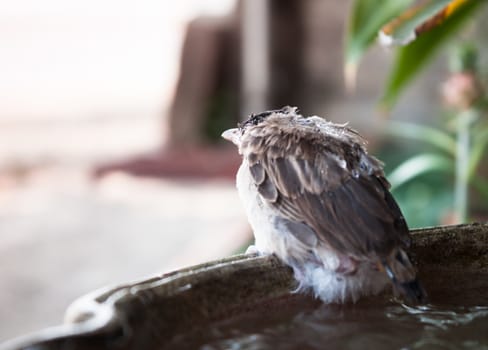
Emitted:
<point x="462" y="164"/>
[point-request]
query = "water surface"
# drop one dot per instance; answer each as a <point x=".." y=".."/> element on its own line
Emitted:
<point x="455" y="318"/>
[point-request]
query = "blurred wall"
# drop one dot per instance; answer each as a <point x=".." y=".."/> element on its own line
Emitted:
<point x="91" y="79"/>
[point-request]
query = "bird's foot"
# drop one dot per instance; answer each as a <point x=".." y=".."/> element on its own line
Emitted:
<point x="347" y="265"/>
<point x="252" y="249"/>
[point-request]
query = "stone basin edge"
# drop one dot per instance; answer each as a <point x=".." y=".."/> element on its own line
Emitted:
<point x="144" y="313"/>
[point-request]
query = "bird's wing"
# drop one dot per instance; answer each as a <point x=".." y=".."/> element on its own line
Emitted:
<point x="319" y="200"/>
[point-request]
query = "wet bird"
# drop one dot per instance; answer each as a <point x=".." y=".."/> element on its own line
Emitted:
<point x="315" y="198"/>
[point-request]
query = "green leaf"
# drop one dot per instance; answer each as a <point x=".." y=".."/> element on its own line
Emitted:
<point x="411" y="58"/>
<point x="366" y="19"/>
<point x="404" y="32"/>
<point x="418" y="165"/>
<point x="480" y="143"/>
<point x="481" y="185"/>
<point x="422" y="133"/>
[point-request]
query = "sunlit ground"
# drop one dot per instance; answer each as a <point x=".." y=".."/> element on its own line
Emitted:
<point x="82" y="83"/>
<point x="63" y="236"/>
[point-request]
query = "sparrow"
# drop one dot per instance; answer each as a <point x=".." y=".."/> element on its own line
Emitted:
<point x="316" y="199"/>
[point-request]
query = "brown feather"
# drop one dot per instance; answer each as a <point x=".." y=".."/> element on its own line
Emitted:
<point x="324" y="178"/>
<point x="325" y="190"/>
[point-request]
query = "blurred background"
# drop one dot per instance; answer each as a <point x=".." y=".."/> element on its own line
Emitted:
<point x="111" y="163"/>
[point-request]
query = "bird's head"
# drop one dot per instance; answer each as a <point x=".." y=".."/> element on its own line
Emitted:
<point x="234" y="135"/>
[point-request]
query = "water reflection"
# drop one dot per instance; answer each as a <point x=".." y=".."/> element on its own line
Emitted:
<point x="370" y="324"/>
<point x="445" y="328"/>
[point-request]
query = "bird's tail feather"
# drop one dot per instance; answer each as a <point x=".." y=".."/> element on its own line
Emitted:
<point x="403" y="276"/>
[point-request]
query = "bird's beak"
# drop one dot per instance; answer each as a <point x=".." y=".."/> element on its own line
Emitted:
<point x="232" y="135"/>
